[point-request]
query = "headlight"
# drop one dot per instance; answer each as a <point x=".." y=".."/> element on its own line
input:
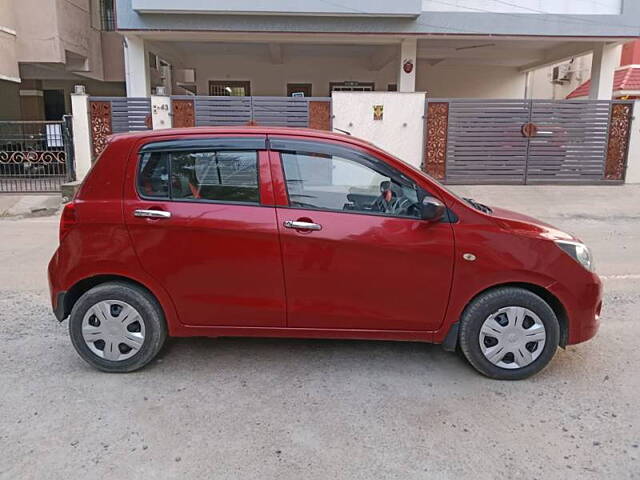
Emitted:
<point x="579" y="252"/>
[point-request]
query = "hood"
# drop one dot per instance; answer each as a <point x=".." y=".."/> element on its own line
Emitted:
<point x="526" y="225"/>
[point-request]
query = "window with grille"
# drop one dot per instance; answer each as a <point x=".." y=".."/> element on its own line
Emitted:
<point x="107" y="15"/>
<point x="351" y="86"/>
<point x="229" y="88"/>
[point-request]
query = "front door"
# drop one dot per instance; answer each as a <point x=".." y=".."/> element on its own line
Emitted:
<point x="356" y="254"/>
<point x="203" y="224"/>
<point x="54" y="108"/>
<point x="299" y="90"/>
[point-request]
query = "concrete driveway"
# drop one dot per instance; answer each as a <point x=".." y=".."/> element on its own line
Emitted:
<point x="293" y="409"/>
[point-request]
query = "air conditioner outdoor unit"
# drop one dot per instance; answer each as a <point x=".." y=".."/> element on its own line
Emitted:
<point x="562" y="73"/>
<point x="184" y="75"/>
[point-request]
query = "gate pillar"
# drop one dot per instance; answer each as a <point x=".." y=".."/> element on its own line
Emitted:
<point x="81" y="134"/>
<point x="436" y="135"/>
<point x="618" y="145"/>
<point x="183" y="113"/>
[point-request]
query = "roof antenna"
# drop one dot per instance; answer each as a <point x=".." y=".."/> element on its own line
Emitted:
<point x="342" y="131"/>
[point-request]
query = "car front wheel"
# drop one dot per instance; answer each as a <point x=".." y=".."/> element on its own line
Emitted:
<point x="117" y="327"/>
<point x="509" y="333"/>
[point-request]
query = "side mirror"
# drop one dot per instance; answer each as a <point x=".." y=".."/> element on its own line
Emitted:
<point x="432" y="209"/>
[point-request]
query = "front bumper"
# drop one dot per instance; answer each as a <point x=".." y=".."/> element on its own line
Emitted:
<point x="583" y="304"/>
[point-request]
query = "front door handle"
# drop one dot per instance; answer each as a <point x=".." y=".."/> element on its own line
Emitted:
<point x="151" y="213"/>
<point x="298" y="225"/>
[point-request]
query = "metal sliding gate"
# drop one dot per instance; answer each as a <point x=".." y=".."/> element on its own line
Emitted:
<point x="527" y="141"/>
<point x="35" y="156"/>
<point x="110" y="115"/>
<point x="122" y="114"/>
<point x="274" y="111"/>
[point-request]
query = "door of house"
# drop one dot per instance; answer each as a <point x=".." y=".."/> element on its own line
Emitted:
<point x="299" y="89"/>
<point x="54" y="108"/>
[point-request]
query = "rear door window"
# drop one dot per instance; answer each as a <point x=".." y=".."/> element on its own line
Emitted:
<point x="215" y="176"/>
<point x="200" y="176"/>
<point x="153" y="177"/>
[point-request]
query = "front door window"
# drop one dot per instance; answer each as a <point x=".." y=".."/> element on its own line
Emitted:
<point x="332" y="181"/>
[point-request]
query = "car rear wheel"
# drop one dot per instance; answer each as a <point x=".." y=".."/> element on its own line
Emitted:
<point x="117" y="327"/>
<point x="509" y="333"/>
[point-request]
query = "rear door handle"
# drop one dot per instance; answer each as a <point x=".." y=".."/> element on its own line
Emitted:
<point x="151" y="213"/>
<point x="298" y="225"/>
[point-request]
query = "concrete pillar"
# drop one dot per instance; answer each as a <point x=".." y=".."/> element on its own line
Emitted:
<point x="136" y="68"/>
<point x="606" y="58"/>
<point x="407" y="72"/>
<point x="81" y="134"/>
<point x="633" y="160"/>
<point x="160" y="112"/>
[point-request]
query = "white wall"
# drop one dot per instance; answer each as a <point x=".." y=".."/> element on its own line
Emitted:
<point x="401" y="130"/>
<point x="541" y="86"/>
<point x="470" y="81"/>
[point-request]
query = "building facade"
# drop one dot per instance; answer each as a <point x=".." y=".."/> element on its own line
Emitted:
<point x="626" y="79"/>
<point x="48" y="46"/>
<point x="448" y="48"/>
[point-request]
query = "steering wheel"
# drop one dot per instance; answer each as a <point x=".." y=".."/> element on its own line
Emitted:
<point x="389" y="202"/>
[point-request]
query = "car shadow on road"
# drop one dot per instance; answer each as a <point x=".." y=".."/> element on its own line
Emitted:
<point x="303" y="357"/>
<point x="309" y="355"/>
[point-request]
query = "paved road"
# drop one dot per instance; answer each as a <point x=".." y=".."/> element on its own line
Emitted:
<point x="291" y="409"/>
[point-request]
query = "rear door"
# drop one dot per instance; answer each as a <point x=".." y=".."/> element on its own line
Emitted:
<point x="356" y="254"/>
<point x="201" y="217"/>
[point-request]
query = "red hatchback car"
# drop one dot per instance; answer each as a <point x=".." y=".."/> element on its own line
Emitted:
<point x="279" y="232"/>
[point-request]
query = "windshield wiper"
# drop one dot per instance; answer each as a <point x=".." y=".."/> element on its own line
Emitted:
<point x="477" y="206"/>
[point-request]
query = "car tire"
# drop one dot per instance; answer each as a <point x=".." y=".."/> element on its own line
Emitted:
<point x="509" y="333"/>
<point x="117" y="327"/>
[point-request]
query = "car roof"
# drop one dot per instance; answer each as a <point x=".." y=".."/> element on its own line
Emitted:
<point x="243" y="130"/>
